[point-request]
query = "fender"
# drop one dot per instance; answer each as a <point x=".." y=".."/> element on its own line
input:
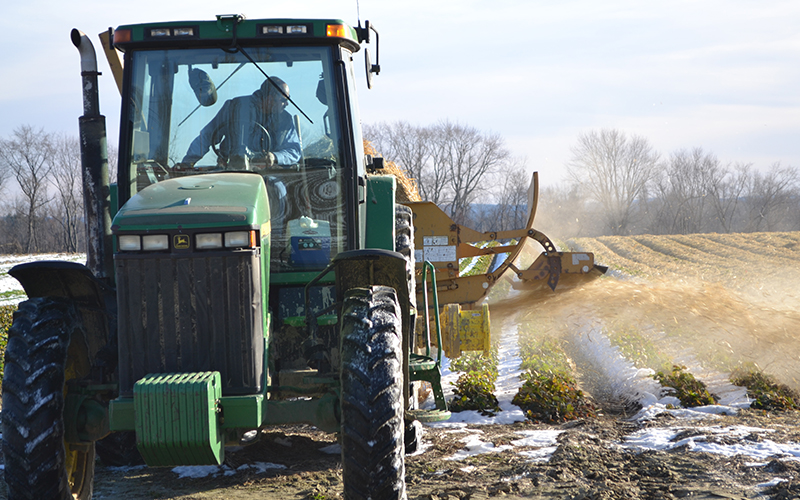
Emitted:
<point x="94" y="300"/>
<point x="52" y="278"/>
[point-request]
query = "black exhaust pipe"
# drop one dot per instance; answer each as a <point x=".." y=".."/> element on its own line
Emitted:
<point x="94" y="163"/>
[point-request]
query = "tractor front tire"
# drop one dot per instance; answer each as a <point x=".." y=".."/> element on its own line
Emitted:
<point x="373" y="458"/>
<point x="38" y="463"/>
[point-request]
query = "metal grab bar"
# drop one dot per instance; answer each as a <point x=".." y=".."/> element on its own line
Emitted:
<point x="425" y="266"/>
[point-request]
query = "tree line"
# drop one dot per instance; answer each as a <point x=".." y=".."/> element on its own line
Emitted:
<point x="40" y="183"/>
<point x="469" y="173"/>
<point x="617" y="184"/>
<point x="624" y="186"/>
<point x="41" y="188"/>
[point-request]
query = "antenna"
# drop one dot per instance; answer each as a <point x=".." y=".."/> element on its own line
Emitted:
<point x="363" y="33"/>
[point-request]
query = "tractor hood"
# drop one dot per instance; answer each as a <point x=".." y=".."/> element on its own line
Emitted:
<point x="198" y="201"/>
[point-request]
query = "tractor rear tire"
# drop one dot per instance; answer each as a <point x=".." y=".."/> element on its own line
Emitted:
<point x="38" y="463"/>
<point x="373" y="458"/>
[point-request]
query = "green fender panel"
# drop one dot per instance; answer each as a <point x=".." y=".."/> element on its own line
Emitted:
<point x="380" y="211"/>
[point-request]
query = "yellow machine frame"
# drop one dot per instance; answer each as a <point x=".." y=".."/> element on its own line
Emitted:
<point x="439" y="240"/>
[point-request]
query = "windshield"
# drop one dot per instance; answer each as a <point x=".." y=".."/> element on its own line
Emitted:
<point x="195" y="111"/>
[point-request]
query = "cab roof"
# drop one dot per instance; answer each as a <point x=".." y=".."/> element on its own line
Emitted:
<point x="247" y="31"/>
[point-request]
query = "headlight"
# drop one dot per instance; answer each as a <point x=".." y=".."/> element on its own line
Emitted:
<point x="208" y="240"/>
<point x="237" y="239"/>
<point x="130" y="243"/>
<point x="155" y="242"/>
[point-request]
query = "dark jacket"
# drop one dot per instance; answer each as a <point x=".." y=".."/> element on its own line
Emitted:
<point x="236" y="129"/>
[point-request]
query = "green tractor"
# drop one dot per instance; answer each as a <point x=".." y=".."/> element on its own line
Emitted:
<point x="250" y="267"/>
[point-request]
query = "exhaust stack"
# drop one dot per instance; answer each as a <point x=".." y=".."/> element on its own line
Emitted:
<point x="94" y="164"/>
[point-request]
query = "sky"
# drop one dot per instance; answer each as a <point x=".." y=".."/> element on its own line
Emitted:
<point x="723" y="75"/>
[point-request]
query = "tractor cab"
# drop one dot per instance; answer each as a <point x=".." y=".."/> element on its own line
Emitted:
<point x="273" y="98"/>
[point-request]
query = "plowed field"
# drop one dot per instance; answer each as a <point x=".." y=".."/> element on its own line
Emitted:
<point x="708" y="301"/>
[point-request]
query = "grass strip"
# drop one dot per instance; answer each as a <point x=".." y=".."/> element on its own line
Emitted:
<point x="766" y="393"/>
<point x="474" y="389"/>
<point x="689" y="390"/>
<point x="549" y="392"/>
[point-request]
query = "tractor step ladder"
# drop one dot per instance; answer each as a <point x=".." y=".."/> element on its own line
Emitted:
<point x="425" y="367"/>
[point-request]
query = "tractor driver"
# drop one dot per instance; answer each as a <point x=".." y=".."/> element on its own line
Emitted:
<point x="250" y="129"/>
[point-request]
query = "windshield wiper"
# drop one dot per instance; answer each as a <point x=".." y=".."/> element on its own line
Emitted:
<point x="235" y="19"/>
<point x="275" y="85"/>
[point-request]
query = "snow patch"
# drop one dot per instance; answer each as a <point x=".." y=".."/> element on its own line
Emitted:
<point x="201" y="471"/>
<point x="699" y="412"/>
<point x="714" y="439"/>
<point x="539" y="438"/>
<point x="474" y="445"/>
<point x="774" y="482"/>
<point x="421" y="448"/>
<point x="333" y="449"/>
<point x="544" y="442"/>
<point x="261" y="467"/>
<point x="198" y="471"/>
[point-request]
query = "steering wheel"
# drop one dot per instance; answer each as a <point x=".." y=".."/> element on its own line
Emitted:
<point x="265" y="143"/>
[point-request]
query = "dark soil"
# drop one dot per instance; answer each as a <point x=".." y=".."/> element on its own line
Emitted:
<point x="586" y="465"/>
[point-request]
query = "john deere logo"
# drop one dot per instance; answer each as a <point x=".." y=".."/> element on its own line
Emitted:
<point x="180" y="241"/>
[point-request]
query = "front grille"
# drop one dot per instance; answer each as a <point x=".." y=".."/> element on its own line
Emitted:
<point x="191" y="314"/>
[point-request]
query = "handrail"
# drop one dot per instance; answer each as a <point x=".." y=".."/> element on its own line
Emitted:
<point x="425" y="266"/>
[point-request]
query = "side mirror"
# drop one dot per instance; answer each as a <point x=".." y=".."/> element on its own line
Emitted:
<point x="204" y="88"/>
<point x="363" y="36"/>
<point x="368" y="64"/>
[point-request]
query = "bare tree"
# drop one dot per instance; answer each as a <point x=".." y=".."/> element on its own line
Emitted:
<point x="467" y="156"/>
<point x="614" y="171"/>
<point x="771" y="197"/>
<point x="12" y="231"/>
<point x="67" y="180"/>
<point x="726" y="191"/>
<point x="404" y="143"/>
<point x="411" y="148"/>
<point x="511" y="210"/>
<point x="113" y="159"/>
<point x="28" y="156"/>
<point x="449" y="161"/>
<point x="683" y="188"/>
<point x="379" y="135"/>
<point x="4" y="171"/>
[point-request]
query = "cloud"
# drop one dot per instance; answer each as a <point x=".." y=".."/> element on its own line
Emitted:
<point x="721" y="73"/>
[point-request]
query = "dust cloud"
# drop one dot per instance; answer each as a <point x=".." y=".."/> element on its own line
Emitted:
<point x="688" y="322"/>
